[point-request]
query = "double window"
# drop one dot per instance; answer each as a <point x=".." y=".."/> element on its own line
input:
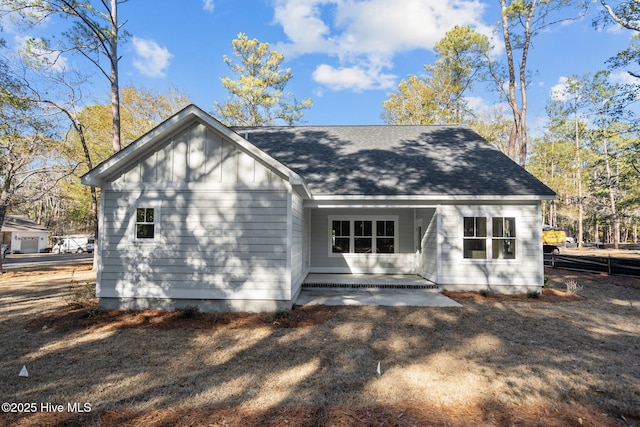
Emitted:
<point x="502" y="236"/>
<point x="363" y="235"/>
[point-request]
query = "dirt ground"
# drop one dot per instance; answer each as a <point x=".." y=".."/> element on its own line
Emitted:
<point x="557" y="360"/>
<point x="606" y="252"/>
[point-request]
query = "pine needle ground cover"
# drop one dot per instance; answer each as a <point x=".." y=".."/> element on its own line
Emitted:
<point x="561" y="359"/>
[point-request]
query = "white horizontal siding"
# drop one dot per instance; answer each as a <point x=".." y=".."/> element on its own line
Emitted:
<point x="401" y="262"/>
<point x="298" y="247"/>
<point x="428" y="258"/>
<point x="525" y="270"/>
<point x="211" y="244"/>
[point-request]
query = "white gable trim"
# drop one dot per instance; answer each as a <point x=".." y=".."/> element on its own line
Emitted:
<point x="96" y="176"/>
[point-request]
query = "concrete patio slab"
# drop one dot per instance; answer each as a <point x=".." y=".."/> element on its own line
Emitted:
<point x="372" y="289"/>
<point x="369" y="296"/>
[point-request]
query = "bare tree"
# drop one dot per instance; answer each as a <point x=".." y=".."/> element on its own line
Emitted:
<point x="94" y="34"/>
<point x="521" y="21"/>
<point x="26" y="153"/>
<point x="625" y="13"/>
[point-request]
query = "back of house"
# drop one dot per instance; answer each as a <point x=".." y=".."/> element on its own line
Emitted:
<point x="195" y="213"/>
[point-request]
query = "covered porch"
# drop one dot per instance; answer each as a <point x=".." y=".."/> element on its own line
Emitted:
<point x="379" y="242"/>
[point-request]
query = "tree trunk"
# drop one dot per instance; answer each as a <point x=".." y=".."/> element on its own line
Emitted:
<point x="517" y="145"/>
<point x="3" y="210"/>
<point x="522" y="130"/>
<point x="611" y="186"/>
<point x="511" y="95"/>
<point x="94" y="192"/>
<point x="579" y="178"/>
<point x="115" y="90"/>
<point x="94" y="208"/>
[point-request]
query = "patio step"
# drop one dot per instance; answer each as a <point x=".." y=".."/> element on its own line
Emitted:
<point x="370" y="286"/>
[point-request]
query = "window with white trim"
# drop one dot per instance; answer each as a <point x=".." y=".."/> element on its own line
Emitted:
<point x="503" y="242"/>
<point x="475" y="237"/>
<point x="385" y="237"/>
<point x="363" y="235"/>
<point x="145" y="223"/>
<point x="501" y="232"/>
<point x="341" y="237"/>
<point x="363" y="238"/>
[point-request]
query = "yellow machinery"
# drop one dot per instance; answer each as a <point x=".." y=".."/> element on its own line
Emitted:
<point x="553" y="236"/>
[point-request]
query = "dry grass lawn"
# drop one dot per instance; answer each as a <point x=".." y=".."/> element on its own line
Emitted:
<point x="560" y="360"/>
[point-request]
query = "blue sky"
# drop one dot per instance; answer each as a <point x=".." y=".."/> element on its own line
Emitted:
<point x="347" y="55"/>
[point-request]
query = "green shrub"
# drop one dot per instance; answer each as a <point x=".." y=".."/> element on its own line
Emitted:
<point x="533" y="294"/>
<point x="484" y="292"/>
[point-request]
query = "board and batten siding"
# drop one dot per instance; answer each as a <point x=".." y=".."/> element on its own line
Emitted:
<point x="401" y="262"/>
<point x="223" y="227"/>
<point x="198" y="154"/>
<point x="524" y="272"/>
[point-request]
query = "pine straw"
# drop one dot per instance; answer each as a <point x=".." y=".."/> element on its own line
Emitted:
<point x="556" y="360"/>
<point x="549" y="295"/>
<point x="69" y="318"/>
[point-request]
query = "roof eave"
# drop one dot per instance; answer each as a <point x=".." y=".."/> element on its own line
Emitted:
<point x="439" y="197"/>
<point x="418" y="200"/>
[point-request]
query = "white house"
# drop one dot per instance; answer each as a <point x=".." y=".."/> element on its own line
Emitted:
<point x="196" y="213"/>
<point x="22" y="235"/>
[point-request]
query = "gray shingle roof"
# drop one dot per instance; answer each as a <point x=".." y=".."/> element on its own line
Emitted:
<point x="395" y="160"/>
<point x="21" y="224"/>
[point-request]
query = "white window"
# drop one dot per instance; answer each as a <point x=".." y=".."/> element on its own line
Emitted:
<point x="341" y="237"/>
<point x="146" y="222"/>
<point x="501" y="232"/>
<point x="385" y="237"/>
<point x="503" y="242"/>
<point x="363" y="235"/>
<point x="475" y="237"/>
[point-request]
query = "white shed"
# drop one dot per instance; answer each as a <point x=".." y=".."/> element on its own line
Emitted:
<point x="23" y="235"/>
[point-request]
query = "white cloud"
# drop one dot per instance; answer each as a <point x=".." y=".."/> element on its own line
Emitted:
<point x="208" y="5"/>
<point x="10" y="22"/>
<point x="151" y="59"/>
<point x="477" y="103"/>
<point x="354" y="78"/>
<point x="32" y="49"/>
<point x="623" y="77"/>
<point x="365" y="36"/>
<point x="559" y="90"/>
